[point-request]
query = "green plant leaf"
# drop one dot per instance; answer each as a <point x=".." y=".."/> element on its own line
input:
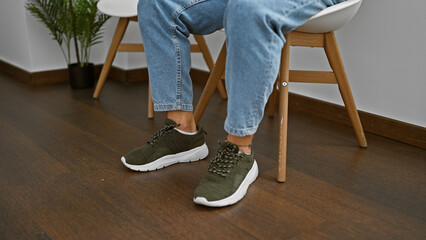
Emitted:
<point x="56" y="16"/>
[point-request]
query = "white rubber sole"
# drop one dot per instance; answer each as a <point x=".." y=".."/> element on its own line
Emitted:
<point x="192" y="155"/>
<point x="237" y="195"/>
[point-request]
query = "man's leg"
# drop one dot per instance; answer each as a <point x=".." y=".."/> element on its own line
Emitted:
<point x="255" y="36"/>
<point x="255" y="32"/>
<point x="165" y="27"/>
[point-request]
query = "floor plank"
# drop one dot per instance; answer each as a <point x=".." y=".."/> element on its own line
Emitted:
<point x="15" y="221"/>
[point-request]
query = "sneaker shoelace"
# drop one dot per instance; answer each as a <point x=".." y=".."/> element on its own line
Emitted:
<point x="226" y="158"/>
<point x="163" y="131"/>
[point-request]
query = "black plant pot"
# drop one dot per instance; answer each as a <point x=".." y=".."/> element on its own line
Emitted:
<point x="81" y="77"/>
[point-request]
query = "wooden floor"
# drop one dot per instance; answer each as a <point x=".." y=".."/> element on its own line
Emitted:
<point x="61" y="175"/>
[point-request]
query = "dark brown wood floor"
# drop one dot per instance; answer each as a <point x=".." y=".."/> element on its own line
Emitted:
<point x="61" y="175"/>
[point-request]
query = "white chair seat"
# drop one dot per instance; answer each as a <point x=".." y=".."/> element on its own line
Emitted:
<point x="331" y="18"/>
<point x="327" y="20"/>
<point x="119" y="8"/>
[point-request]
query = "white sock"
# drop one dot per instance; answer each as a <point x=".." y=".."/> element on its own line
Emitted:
<point x="185" y="133"/>
<point x="241" y="152"/>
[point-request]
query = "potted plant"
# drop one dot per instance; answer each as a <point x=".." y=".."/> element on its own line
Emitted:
<point x="72" y="22"/>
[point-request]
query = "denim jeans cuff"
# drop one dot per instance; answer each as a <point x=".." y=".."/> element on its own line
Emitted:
<point x="173" y="107"/>
<point x="240" y="132"/>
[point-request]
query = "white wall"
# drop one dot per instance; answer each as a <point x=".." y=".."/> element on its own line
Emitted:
<point x="383" y="49"/>
<point x="14" y="44"/>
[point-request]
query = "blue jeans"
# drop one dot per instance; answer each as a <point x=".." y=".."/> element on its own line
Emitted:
<point x="254" y="37"/>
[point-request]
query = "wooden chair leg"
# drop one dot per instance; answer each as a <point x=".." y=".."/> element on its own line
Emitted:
<point x="150" y="103"/>
<point x="118" y="36"/>
<point x="209" y="60"/>
<point x="273" y="98"/>
<point x="209" y="89"/>
<point x="283" y="112"/>
<point x="336" y="63"/>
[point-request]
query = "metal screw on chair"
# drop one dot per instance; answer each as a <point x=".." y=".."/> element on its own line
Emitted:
<point x="284" y="84"/>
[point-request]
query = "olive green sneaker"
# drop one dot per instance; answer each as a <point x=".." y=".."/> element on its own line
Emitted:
<point x="229" y="175"/>
<point x="166" y="147"/>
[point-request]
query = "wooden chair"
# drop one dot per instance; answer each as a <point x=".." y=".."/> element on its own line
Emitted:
<point x="126" y="11"/>
<point x="317" y="32"/>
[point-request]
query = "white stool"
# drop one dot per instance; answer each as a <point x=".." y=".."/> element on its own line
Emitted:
<point x="126" y="11"/>
<point x="317" y="32"/>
